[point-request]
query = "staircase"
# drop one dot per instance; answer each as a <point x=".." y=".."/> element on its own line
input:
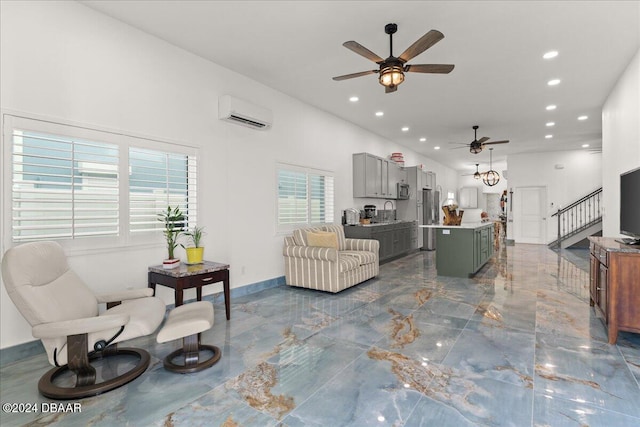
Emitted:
<point x="579" y="220"/>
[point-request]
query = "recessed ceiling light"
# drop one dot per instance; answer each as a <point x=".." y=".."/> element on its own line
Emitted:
<point x="553" y="82"/>
<point x="550" y="54"/>
<point x="585" y="145"/>
<point x="549" y="124"/>
<point x="583" y="117"/>
<point x="437" y="147"/>
<point x="423" y="139"/>
<point x="379" y="114"/>
<point x="354" y="99"/>
<point x="551" y="107"/>
<point x="548" y="136"/>
<point x="405" y="129"/>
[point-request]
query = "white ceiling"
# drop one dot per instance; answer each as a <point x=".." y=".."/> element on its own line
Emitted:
<point x="499" y="81"/>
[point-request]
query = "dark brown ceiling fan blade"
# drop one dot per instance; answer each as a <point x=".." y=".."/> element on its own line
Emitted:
<point x="351" y="76"/>
<point x="389" y="89"/>
<point x="363" y="51"/>
<point x="420" y="45"/>
<point x="483" y="139"/>
<point x="496" y="142"/>
<point x="429" y="68"/>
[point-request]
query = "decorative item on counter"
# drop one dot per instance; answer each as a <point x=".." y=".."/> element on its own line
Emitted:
<point x="450" y="209"/>
<point x="370" y="211"/>
<point x="173" y="220"/>
<point x="365" y="221"/>
<point x="484" y="216"/>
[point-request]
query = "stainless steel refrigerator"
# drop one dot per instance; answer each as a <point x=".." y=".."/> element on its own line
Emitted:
<point x="430" y="216"/>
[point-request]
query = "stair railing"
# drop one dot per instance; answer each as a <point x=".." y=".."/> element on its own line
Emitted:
<point x="578" y="216"/>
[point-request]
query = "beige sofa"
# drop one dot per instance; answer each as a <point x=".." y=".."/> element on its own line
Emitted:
<point x="328" y="269"/>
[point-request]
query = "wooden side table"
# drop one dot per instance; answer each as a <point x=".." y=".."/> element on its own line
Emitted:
<point x="192" y="276"/>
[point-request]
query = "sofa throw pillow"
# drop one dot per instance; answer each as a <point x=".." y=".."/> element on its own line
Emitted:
<point x="323" y="239"/>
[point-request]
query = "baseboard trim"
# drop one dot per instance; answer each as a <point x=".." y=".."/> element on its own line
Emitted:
<point x="23" y="351"/>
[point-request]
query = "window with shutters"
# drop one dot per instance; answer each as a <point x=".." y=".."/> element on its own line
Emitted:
<point x="156" y="180"/>
<point x="305" y="197"/>
<point x="71" y="183"/>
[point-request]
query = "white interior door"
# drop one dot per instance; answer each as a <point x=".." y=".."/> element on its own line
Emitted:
<point x="529" y="215"/>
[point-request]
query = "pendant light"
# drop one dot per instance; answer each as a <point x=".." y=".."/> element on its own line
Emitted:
<point x="491" y="177"/>
<point x="477" y="174"/>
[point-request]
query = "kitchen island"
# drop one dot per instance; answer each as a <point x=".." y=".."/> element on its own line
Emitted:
<point x="462" y="250"/>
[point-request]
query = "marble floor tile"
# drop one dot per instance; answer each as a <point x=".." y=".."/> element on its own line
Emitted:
<point x="550" y="410"/>
<point x="366" y="393"/>
<point x="515" y="345"/>
<point x="500" y="353"/>
<point x="585" y="371"/>
<point x="458" y="398"/>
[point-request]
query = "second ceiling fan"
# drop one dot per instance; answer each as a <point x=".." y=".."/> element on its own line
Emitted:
<point x="392" y="69"/>
<point x="477" y="145"/>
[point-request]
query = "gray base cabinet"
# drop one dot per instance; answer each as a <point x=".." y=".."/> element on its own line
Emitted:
<point x="395" y="239"/>
<point x="461" y="252"/>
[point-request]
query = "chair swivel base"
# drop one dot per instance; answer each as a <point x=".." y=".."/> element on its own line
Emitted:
<point x="187" y="322"/>
<point x="48" y="389"/>
<point x="192" y="362"/>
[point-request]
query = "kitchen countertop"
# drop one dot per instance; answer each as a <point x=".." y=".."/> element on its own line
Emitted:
<point x="376" y="224"/>
<point x="469" y="225"/>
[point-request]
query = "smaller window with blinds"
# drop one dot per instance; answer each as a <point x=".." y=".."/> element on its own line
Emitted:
<point x="63" y="187"/>
<point x="305" y="197"/>
<point x="159" y="179"/>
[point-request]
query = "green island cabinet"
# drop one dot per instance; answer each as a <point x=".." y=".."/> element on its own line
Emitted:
<point x="462" y="250"/>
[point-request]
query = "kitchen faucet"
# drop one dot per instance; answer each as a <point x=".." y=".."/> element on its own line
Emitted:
<point x="392" y="207"/>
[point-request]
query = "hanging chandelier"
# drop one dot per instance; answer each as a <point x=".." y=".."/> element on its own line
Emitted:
<point x="491" y="177"/>
<point x="477" y="175"/>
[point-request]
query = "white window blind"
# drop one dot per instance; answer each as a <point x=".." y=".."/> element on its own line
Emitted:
<point x="63" y="187"/>
<point x="91" y="188"/>
<point x="305" y="196"/>
<point x="156" y="180"/>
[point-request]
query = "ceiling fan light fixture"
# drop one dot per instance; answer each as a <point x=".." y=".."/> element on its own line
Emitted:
<point x="391" y="76"/>
<point x="477" y="174"/>
<point x="475" y="149"/>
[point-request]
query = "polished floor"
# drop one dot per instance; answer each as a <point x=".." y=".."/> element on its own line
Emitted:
<point x="517" y="345"/>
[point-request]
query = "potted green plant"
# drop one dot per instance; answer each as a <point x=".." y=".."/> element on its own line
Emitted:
<point x="195" y="253"/>
<point x="173" y="220"/>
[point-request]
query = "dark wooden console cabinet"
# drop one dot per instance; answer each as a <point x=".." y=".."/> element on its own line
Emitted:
<point x="614" y="284"/>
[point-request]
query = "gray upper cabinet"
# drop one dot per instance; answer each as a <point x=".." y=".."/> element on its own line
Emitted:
<point x="374" y="176"/>
<point x="430" y="180"/>
<point x="396" y="174"/>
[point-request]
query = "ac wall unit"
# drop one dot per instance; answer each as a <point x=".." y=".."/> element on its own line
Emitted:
<point x="244" y="113"/>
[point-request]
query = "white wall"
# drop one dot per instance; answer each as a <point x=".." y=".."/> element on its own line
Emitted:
<point x="620" y="141"/>
<point x="64" y="61"/>
<point x="581" y="173"/>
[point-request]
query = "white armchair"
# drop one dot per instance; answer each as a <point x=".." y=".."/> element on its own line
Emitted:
<point x="63" y="314"/>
